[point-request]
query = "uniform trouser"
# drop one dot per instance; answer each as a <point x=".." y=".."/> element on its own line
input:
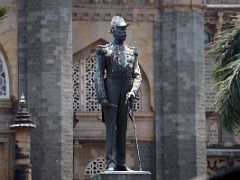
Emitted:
<point x="116" y="119"/>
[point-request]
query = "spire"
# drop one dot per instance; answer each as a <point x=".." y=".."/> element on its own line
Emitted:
<point x="23" y="118"/>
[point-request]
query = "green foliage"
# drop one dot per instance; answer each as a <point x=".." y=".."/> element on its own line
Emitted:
<point x="227" y="78"/>
<point x="3" y="11"/>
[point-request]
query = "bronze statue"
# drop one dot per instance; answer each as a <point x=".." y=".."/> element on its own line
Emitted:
<point x="117" y="80"/>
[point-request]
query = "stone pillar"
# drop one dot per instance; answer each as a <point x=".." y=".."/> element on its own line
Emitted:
<point x="49" y="65"/>
<point x="23" y="127"/>
<point x="180" y="112"/>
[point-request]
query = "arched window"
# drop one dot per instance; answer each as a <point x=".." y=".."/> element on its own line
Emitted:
<point x="207" y="37"/>
<point x="4" y="79"/>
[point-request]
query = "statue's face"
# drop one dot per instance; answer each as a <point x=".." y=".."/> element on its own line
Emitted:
<point x="120" y="33"/>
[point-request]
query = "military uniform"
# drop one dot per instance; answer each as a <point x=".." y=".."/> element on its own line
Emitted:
<point x="117" y="73"/>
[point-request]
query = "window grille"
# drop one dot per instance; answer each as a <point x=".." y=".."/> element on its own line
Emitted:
<point x="4" y="82"/>
<point x="76" y="88"/>
<point x="96" y="166"/>
<point x="90" y="97"/>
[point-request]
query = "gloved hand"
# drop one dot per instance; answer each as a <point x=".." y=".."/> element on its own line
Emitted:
<point x="130" y="95"/>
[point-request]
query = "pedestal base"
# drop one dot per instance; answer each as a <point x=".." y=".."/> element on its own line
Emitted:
<point x="122" y="175"/>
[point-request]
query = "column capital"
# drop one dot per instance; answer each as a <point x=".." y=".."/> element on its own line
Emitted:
<point x="183" y="5"/>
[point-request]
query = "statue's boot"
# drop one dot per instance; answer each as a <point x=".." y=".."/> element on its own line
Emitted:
<point x="111" y="167"/>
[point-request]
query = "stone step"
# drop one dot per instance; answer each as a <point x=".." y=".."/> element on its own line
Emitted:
<point x="122" y="175"/>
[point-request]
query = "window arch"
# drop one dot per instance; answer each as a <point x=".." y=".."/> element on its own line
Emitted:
<point x="4" y="78"/>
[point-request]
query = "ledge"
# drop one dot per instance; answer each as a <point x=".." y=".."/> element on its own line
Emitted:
<point x="98" y="115"/>
<point x="125" y="172"/>
<point x="223" y="6"/>
<point x="122" y="175"/>
<point x="5" y="103"/>
<point x="223" y="152"/>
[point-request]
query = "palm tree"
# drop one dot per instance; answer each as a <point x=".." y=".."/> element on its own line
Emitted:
<point x="227" y="78"/>
<point x="3" y="11"/>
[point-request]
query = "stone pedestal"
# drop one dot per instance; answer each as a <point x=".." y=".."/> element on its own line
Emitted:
<point x="22" y="168"/>
<point x="122" y="175"/>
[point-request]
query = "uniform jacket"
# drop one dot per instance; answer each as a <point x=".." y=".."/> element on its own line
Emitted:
<point x="117" y="61"/>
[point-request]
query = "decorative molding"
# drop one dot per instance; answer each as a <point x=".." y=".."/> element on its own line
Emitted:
<point x="5" y="105"/>
<point x="151" y="15"/>
<point x="77" y="144"/>
<point x="237" y="137"/>
<point x="223" y="6"/>
<point x="223" y="152"/>
<point x="140" y="116"/>
<point x="217" y="2"/>
<point x="226" y="18"/>
<point x="183" y="7"/>
<point x="210" y="18"/>
<point x="216" y="163"/>
<point x="115" y="2"/>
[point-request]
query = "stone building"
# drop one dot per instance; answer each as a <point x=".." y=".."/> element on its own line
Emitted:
<point x="47" y="52"/>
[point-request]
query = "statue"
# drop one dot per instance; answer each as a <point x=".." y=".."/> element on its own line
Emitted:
<point x="117" y="80"/>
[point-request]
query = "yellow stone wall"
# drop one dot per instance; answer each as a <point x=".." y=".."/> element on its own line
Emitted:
<point x="6" y="156"/>
<point x="86" y="152"/>
<point x="9" y="43"/>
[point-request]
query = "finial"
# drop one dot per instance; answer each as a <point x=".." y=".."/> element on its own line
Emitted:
<point x="22" y="118"/>
<point x="22" y="98"/>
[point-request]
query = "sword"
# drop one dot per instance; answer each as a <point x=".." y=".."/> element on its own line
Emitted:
<point x="131" y="116"/>
<point x="111" y="105"/>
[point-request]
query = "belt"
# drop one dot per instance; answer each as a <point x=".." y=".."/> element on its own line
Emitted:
<point x="119" y="76"/>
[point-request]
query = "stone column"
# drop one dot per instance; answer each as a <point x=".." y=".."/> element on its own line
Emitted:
<point x="219" y="23"/>
<point x="180" y="112"/>
<point x="49" y="65"/>
<point x="23" y="127"/>
<point x="22" y="48"/>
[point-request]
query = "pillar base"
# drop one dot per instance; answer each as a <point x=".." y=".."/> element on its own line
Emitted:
<point x="122" y="175"/>
<point x="22" y="172"/>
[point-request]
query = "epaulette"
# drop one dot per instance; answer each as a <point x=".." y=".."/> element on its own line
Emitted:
<point x="101" y="49"/>
<point x="135" y="51"/>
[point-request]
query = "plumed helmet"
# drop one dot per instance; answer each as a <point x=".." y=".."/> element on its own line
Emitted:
<point x="117" y="21"/>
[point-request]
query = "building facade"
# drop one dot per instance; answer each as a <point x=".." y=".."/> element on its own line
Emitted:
<point x="47" y="52"/>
